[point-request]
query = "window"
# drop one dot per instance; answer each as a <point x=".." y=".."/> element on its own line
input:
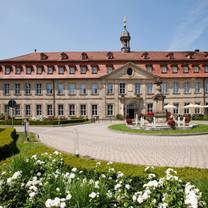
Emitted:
<point x="39" y="70"/>
<point x="49" y="89"/>
<point x="82" y="89"/>
<point x="197" y="86"/>
<point x="94" y="89"/>
<point x="186" y="87"/>
<point x="38" y="89"/>
<point x="109" y="69"/>
<point x="122" y="88"/>
<point x="137" y="88"/>
<point x="83" y="110"/>
<point x="49" y="110"/>
<point x="72" y="110"/>
<point x="60" y="89"/>
<point x="38" y="110"/>
<point x="27" y="110"/>
<point x="8" y="70"/>
<point x="109" y="88"/>
<point x="72" y="70"/>
<point x="174" y="68"/>
<point x="186" y="110"/>
<point x="18" y="70"/>
<point x="50" y="70"/>
<point x="83" y="70"/>
<point x="27" y="89"/>
<point x="6" y="89"/>
<point x="110" y="109"/>
<point x="94" y="69"/>
<point x="60" y="109"/>
<point x="17" y="110"/>
<point x="206" y="68"/>
<point x="197" y="110"/>
<point x="72" y="89"/>
<point x="150" y="107"/>
<point x="149" y="68"/>
<point x="196" y="68"/>
<point x="149" y="88"/>
<point x="164" y="69"/>
<point x="28" y="70"/>
<point x="206" y="85"/>
<point x="164" y="88"/>
<point x="175" y="110"/>
<point x="61" y="70"/>
<point x="6" y="109"/>
<point x="185" y="69"/>
<point x="94" y="110"/>
<point x="17" y="89"/>
<point x="175" y="87"/>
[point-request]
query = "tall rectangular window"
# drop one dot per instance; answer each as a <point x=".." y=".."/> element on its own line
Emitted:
<point x="49" y="89"/>
<point x="196" y="68"/>
<point x="186" y="110"/>
<point x="150" y="107"/>
<point x="71" y="109"/>
<point x="206" y="85"/>
<point x="72" y="70"/>
<point x="38" y="89"/>
<point x="50" y="70"/>
<point x="197" y="110"/>
<point x="149" y="88"/>
<point x="83" y="90"/>
<point x="39" y="70"/>
<point x="38" y="110"/>
<point x="29" y="70"/>
<point x="175" y="87"/>
<point x="110" y="109"/>
<point x="137" y="88"/>
<point x="27" y="89"/>
<point x="82" y="110"/>
<point x="109" y="88"/>
<point x="174" y="68"/>
<point x="83" y="70"/>
<point x="72" y="89"/>
<point x="50" y="110"/>
<point x="60" y="109"/>
<point x="175" y="110"/>
<point x="94" y="69"/>
<point x="122" y="88"/>
<point x="8" y="70"/>
<point x="186" y="87"/>
<point x="61" y="70"/>
<point x="17" y="89"/>
<point x="149" y="68"/>
<point x="164" y="69"/>
<point x="17" y="110"/>
<point x="185" y="69"/>
<point x="197" y="87"/>
<point x="109" y="69"/>
<point x="164" y="88"/>
<point x="27" y="110"/>
<point x="94" y="109"/>
<point x="18" y="70"/>
<point x="6" y="109"/>
<point x="6" y="89"/>
<point x="94" y="89"/>
<point x="60" y="89"/>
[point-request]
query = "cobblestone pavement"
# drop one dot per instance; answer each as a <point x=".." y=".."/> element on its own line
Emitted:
<point x="97" y="141"/>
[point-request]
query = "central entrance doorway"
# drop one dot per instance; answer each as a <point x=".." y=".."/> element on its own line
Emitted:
<point x="130" y="111"/>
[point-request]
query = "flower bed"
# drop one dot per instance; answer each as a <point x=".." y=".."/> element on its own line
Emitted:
<point x="44" y="181"/>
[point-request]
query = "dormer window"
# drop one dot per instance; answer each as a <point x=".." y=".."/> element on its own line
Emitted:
<point x="83" y="69"/>
<point x="72" y="70"/>
<point x="109" y="69"/>
<point x="50" y="69"/>
<point x="64" y="56"/>
<point x="43" y="56"/>
<point x="174" y="68"/>
<point x="196" y="68"/>
<point x="39" y="70"/>
<point x="185" y="69"/>
<point x="145" y="55"/>
<point x="84" y="56"/>
<point x="164" y="68"/>
<point x="94" y="69"/>
<point x="8" y="70"/>
<point x="61" y="70"/>
<point x="170" y="55"/>
<point x="109" y="55"/>
<point x="190" y="55"/>
<point x="18" y="70"/>
<point x="149" y="68"/>
<point x="29" y="70"/>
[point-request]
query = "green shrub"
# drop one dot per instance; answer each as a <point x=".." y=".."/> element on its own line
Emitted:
<point x="197" y="117"/>
<point x="119" y="117"/>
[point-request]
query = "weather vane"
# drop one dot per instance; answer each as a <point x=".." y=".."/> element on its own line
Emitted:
<point x="124" y="21"/>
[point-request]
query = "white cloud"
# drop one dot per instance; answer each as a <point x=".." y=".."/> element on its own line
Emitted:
<point x="191" y="28"/>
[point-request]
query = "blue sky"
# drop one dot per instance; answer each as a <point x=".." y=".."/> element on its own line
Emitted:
<point x="95" y="25"/>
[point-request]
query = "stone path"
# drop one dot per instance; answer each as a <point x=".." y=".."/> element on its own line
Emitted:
<point x="97" y="141"/>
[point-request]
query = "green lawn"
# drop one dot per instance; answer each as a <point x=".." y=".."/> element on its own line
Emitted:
<point x="201" y="128"/>
<point x="26" y="149"/>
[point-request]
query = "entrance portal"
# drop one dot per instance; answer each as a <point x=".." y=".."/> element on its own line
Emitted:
<point x="130" y="111"/>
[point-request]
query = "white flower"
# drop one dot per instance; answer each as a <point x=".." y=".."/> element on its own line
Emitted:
<point x="97" y="184"/>
<point x="68" y="196"/>
<point x="32" y="194"/>
<point x="62" y="205"/>
<point x="117" y="186"/>
<point x="98" y="163"/>
<point x="120" y="174"/>
<point x="127" y="186"/>
<point x="93" y="195"/>
<point x="109" y="194"/>
<point x="39" y="174"/>
<point x="134" y="198"/>
<point x="56" y="153"/>
<point x="48" y="203"/>
<point x="110" y="163"/>
<point x="9" y="181"/>
<point x="163" y="205"/>
<point x="153" y="184"/>
<point x="149" y="168"/>
<point x="151" y="176"/>
<point x="58" y="189"/>
<point x="16" y="175"/>
<point x="34" y="157"/>
<point x="74" y="170"/>
<point x="72" y="175"/>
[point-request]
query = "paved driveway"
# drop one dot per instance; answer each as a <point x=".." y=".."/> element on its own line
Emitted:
<point x="97" y="141"/>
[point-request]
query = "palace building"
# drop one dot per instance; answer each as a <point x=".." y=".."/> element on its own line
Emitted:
<point x="103" y="84"/>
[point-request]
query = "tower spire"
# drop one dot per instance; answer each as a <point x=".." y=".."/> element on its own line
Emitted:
<point x="125" y="37"/>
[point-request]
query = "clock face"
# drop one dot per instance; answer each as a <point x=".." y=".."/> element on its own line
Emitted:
<point x="129" y="71"/>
